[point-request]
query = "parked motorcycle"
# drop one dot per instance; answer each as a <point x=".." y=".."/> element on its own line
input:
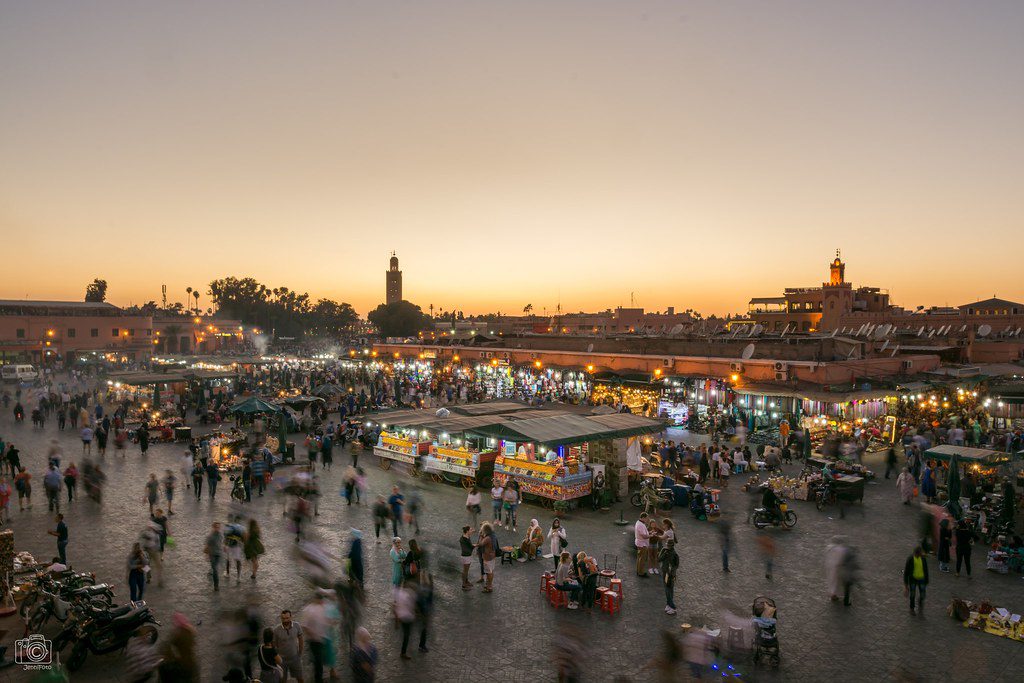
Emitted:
<point x="58" y="604"/>
<point x="237" y="489"/>
<point x="53" y="581"/>
<point x="648" y="494"/>
<point x="764" y="517"/>
<point x="101" y="631"/>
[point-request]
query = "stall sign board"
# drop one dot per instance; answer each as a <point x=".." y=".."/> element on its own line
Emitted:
<point x="394" y="455"/>
<point x="435" y="465"/>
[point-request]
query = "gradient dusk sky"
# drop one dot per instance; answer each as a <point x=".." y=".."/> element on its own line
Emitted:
<point x="693" y="153"/>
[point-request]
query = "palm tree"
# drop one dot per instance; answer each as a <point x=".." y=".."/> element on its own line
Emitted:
<point x="195" y="295"/>
<point x="528" y="308"/>
<point x="189" y="297"/>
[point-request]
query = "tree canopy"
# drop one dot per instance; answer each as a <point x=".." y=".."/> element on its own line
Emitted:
<point x="286" y="312"/>
<point x="96" y="291"/>
<point x="400" y="319"/>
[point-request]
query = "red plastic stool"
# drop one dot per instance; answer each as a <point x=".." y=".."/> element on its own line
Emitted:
<point x="611" y="602"/>
<point x="615" y="586"/>
<point x="601" y="590"/>
<point x="544" y="578"/>
<point x="557" y="598"/>
<point x="550" y="588"/>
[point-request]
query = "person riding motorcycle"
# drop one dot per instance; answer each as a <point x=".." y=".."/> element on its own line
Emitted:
<point x="770" y="502"/>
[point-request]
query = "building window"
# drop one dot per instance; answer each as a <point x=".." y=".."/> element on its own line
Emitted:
<point x="71" y="333"/>
<point x="149" y="332"/>
<point x="94" y="332"/>
<point x="20" y="333"/>
<point x="132" y="331"/>
<point x="115" y="332"/>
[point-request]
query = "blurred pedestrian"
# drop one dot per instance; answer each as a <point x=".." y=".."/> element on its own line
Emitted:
<point x="915" y="578"/>
<point x="363" y="660"/>
<point x="767" y="545"/>
<point x="254" y="547"/>
<point x="213" y="549"/>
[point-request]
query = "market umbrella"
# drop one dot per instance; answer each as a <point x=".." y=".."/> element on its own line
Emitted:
<point x="156" y="396"/>
<point x="254" y="405"/>
<point x="953" y="488"/>
<point x="282" y="433"/>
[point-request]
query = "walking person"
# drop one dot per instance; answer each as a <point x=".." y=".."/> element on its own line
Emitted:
<point x="213" y="549"/>
<point x="725" y="539"/>
<point x="557" y="540"/>
<point x="381" y="512"/>
<point x="945" y="543"/>
<point x="197" y="478"/>
<point x="767" y="545"/>
<point x="510" y="503"/>
<point x="169" y="482"/>
<point x="23" y="485"/>
<point x="254" y="547"/>
<point x="641" y="541"/>
<point x="668" y="558"/>
<point x="289" y="644"/>
<point x="355" y="558"/>
<point x="71" y="480"/>
<point x="138" y="565"/>
<point x="890" y="461"/>
<point x="466" y="555"/>
<point x="486" y="547"/>
<point x="363" y="659"/>
<point x="396" y="502"/>
<point x="965" y="538"/>
<point x="915" y="578"/>
<point x="315" y="624"/>
<point x="61" y="533"/>
<point x="269" y="660"/>
<point x="86" y="436"/>
<point x="497" y="493"/>
<point x="397" y="554"/>
<point x="52" y="482"/>
<point x="473" y="506"/>
<point x="152" y="491"/>
<point x="405" y="613"/>
<point x="212" y="477"/>
<point x="905" y="485"/>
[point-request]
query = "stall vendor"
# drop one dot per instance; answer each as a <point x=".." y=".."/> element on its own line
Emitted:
<point x="534" y="539"/>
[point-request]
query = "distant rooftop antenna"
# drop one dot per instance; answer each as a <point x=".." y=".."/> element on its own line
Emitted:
<point x="984" y="330"/>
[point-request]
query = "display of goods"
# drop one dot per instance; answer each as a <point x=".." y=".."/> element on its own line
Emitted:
<point x="552" y="491"/>
<point x="6" y="552"/>
<point x="455" y="456"/>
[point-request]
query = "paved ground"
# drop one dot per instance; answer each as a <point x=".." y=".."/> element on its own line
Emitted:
<point x="508" y="635"/>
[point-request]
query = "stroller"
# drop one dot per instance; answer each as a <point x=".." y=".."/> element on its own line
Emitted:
<point x="766" y="641"/>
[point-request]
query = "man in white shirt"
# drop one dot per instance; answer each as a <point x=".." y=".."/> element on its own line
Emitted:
<point x="641" y="539"/>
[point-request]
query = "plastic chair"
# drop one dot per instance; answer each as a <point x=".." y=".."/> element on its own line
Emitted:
<point x="608" y="570"/>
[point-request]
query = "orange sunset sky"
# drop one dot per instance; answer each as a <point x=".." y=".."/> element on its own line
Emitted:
<point x="692" y="153"/>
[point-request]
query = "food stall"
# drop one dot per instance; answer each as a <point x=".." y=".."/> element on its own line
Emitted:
<point x="549" y="456"/>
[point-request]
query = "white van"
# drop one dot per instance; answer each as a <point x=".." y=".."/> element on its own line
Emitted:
<point x="18" y="373"/>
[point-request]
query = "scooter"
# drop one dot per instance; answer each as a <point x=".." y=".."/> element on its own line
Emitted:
<point x="237" y="489"/>
<point x="764" y="517"/>
<point x="101" y="631"/>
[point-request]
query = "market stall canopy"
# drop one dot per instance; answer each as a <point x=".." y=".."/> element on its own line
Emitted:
<point x="253" y="405"/>
<point x="300" y="403"/>
<point x="203" y="374"/>
<point x="492" y="408"/>
<point x="560" y="430"/>
<point x="971" y="455"/>
<point x="325" y="390"/>
<point x="145" y="378"/>
<point x="814" y="393"/>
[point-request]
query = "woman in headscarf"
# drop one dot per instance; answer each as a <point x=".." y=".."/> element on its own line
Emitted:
<point x="905" y="485"/>
<point x="928" y="482"/>
<point x="945" y="541"/>
<point x="534" y="539"/>
<point x="364" y="657"/>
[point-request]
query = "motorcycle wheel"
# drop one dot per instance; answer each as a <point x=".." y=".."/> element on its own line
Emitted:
<point x="819" y="501"/>
<point x="636" y="501"/>
<point x="789" y="521"/>
<point x="26" y="604"/>
<point x="39" y="617"/>
<point x="759" y="522"/>
<point x="77" y="657"/>
<point x="149" y="630"/>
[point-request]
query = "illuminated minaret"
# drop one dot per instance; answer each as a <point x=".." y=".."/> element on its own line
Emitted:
<point x="393" y="282"/>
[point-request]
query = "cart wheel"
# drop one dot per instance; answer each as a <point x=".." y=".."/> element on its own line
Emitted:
<point x="547" y="503"/>
<point x="416" y="470"/>
<point x="436" y="478"/>
<point x="468" y="482"/>
<point x="384" y="463"/>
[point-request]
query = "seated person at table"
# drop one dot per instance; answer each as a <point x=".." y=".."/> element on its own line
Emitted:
<point x="534" y="539"/>
<point x="564" y="583"/>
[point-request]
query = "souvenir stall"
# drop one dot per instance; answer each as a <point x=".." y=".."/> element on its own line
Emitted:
<point x="227" y="449"/>
<point x="638" y="391"/>
<point x="548" y="456"/>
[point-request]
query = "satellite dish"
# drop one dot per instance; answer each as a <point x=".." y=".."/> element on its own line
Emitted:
<point x="920" y="331"/>
<point x="590" y="348"/>
<point x="984" y="330"/>
<point x="748" y="352"/>
<point x="882" y="330"/>
<point x="884" y="346"/>
<point x="676" y="329"/>
<point x="834" y="333"/>
<point x="963" y="329"/>
<point x="756" y="330"/>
